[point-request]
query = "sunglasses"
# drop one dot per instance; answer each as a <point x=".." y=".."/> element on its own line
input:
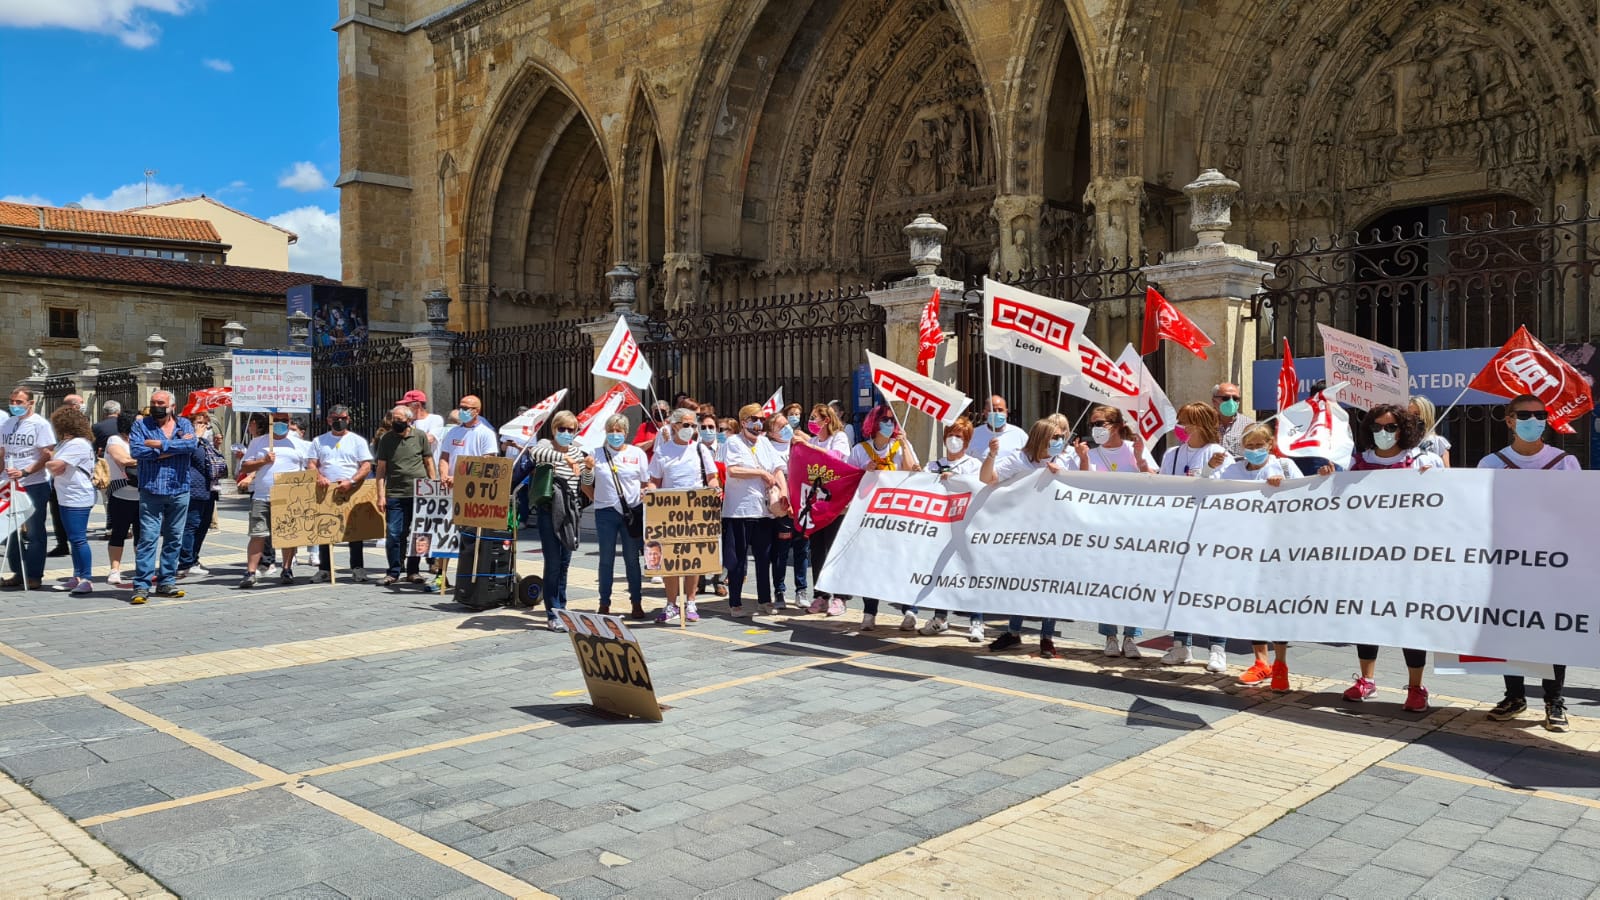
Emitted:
<point x="565" y="430"/>
<point x="1221" y="397"/>
<point x="1526" y="414"/>
<point x="1392" y="428"/>
<point x="1099" y="424"/>
<point x="752" y="421"/>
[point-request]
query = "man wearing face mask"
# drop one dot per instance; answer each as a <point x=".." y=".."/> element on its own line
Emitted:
<point x="472" y="437"/>
<point x="996" y="425"/>
<point x="342" y="459"/>
<point x="403" y="457"/>
<point x="652" y="430"/>
<point x="163" y="444"/>
<point x="26" y="441"/>
<point x="269" y="456"/>
<point x="1225" y="397"/>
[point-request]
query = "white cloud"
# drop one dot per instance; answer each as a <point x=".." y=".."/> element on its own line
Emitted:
<point x="30" y="199"/>
<point x="123" y="19"/>
<point x="217" y="65"/>
<point x="317" y="251"/>
<point x="131" y="195"/>
<point x="305" y="177"/>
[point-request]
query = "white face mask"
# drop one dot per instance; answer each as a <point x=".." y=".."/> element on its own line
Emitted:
<point x="686" y="434"/>
<point x="1100" y="435"/>
<point x="954" y="446"/>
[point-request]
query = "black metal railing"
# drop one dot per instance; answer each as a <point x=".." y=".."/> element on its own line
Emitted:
<point x="183" y="378"/>
<point x="369" y="378"/>
<point x="56" y="389"/>
<point x="121" y="385"/>
<point x="514" y="367"/>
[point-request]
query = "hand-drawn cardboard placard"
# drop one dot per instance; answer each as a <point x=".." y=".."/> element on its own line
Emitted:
<point x="683" y="532"/>
<point x="482" y="493"/>
<point x="613" y="665"/>
<point x="305" y="515"/>
<point x="433" y="533"/>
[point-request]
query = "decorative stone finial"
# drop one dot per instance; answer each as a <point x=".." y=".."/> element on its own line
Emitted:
<point x="624" y="288"/>
<point x="91" y="358"/>
<point x="926" y="237"/>
<point x="235" y="334"/>
<point x="155" y="346"/>
<point x="1210" y="205"/>
<point x="437" y="303"/>
<point x="299" y="329"/>
<point x="37" y="366"/>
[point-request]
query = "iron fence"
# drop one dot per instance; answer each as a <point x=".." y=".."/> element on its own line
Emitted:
<point x="121" y="385"/>
<point x="509" y="368"/>
<point x="369" y="378"/>
<point x="56" y="389"/>
<point x="183" y="378"/>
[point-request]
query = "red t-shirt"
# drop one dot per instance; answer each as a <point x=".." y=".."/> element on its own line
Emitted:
<point x="645" y="438"/>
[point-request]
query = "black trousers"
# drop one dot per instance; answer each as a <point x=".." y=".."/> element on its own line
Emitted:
<point x="1517" y="686"/>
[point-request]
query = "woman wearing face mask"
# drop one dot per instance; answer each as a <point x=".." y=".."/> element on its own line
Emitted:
<point x="1432" y="441"/>
<point x="1117" y="447"/>
<point x="613" y="480"/>
<point x="206" y="468"/>
<point x="885" y="450"/>
<point x="1199" y="454"/>
<point x="572" y="470"/>
<point x="712" y="437"/>
<point x="786" y="545"/>
<point x="1388" y="439"/>
<point x="1260" y="465"/>
<point x="1046" y="448"/>
<point x="684" y="462"/>
<point x="793" y="413"/>
<point x="748" y="525"/>
<point x="825" y="432"/>
<point x="956" y="463"/>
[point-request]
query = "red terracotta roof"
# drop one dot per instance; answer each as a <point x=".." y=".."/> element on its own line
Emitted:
<point x="93" y="221"/>
<point x="84" y="266"/>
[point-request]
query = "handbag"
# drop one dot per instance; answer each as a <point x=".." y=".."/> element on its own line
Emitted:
<point x="542" y="486"/>
<point x="632" y="516"/>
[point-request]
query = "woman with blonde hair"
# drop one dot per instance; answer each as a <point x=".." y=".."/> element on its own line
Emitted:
<point x="825" y="431"/>
<point x="1198" y="454"/>
<point x="1432" y="441"/>
<point x="748" y="523"/>
<point x="1046" y="448"/>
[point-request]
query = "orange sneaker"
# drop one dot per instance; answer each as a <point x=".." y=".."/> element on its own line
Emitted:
<point x="1257" y="673"/>
<point x="1280" y="676"/>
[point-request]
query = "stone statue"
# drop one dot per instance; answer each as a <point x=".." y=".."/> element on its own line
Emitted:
<point x="37" y="366"/>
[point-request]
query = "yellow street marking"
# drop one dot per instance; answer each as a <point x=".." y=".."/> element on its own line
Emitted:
<point x="758" y="631"/>
<point x="578" y="693"/>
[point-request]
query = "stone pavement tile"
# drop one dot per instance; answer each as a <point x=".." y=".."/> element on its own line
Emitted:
<point x="799" y="846"/>
<point x="1449" y="833"/>
<point x="1464" y="884"/>
<point x="1494" y="859"/>
<point x="412" y="876"/>
<point x="1374" y="832"/>
<point x="1295" y="880"/>
<point x="284" y="868"/>
<point x="1523" y="834"/>
<point x="1477" y="810"/>
<point x="1212" y="882"/>
<point x="1539" y="881"/>
<point x="1335" y="808"/>
<point x="1376" y="881"/>
<point x="1416" y="858"/>
<point x="318" y="891"/>
<point x="1300" y="830"/>
<point x="1573" y="860"/>
<point x="1549" y="812"/>
<point x="734" y="865"/>
<point x="1339" y="856"/>
<point x="1257" y="854"/>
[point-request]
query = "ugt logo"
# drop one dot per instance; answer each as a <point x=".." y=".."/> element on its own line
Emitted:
<point x="1526" y="367"/>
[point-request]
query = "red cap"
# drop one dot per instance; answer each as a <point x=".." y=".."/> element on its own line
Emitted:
<point x="413" y="397"/>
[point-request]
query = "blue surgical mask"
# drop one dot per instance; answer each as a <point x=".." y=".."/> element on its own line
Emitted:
<point x="886" y="428"/>
<point x="466" y="416"/>
<point x="794" y="421"/>
<point x="1256" y="457"/>
<point x="786" y="434"/>
<point x="564" y="438"/>
<point x="1529" y="430"/>
<point x="1058" y="446"/>
<point x="18" y="410"/>
<point x="280" y="429"/>
<point x="1384" y="440"/>
<point x="997" y="421"/>
<point x="614" y="440"/>
<point x="708" y="434"/>
<point x="722" y="437"/>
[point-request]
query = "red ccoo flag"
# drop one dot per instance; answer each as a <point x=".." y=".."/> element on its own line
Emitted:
<point x="929" y="335"/>
<point x="1288" y="380"/>
<point x="1162" y="320"/>
<point x="207" y="399"/>
<point x="620" y="389"/>
<point x="1525" y="366"/>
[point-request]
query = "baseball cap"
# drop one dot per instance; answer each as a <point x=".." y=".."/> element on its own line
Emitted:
<point x="413" y="397"/>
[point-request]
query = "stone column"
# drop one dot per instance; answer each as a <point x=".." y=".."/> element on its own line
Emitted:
<point x="88" y="381"/>
<point x="1017" y="219"/>
<point x="1118" y="228"/>
<point x="1212" y="284"/>
<point x="902" y="304"/>
<point x="430" y="353"/>
<point x="149" y="374"/>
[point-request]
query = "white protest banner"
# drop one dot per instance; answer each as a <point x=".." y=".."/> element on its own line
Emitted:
<point x="1375" y="373"/>
<point x="942" y="402"/>
<point x="1153" y="413"/>
<point x="1022" y="327"/>
<point x="15" y="508"/>
<point x="1100" y="379"/>
<point x="1317" y="427"/>
<point x="433" y="529"/>
<point x="1478" y="562"/>
<point x="271" y="381"/>
<point x="524" y="427"/>
<point x="621" y="358"/>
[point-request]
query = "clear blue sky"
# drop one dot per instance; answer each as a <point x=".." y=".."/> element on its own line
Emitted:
<point x="235" y="99"/>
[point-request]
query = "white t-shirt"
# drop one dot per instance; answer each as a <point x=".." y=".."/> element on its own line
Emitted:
<point x="781" y="451"/>
<point x="74" y="490"/>
<point x="1537" y="461"/>
<point x="967" y="466"/>
<point x="467" y="440"/>
<point x="1012" y="438"/>
<point x="1009" y="465"/>
<point x="1416" y="458"/>
<point x="1186" y="460"/>
<point x="118" y="473"/>
<point x="338" y="456"/>
<point x="1437" y="444"/>
<point x="1120" y="459"/>
<point x="837" y="443"/>
<point x="629" y="464"/>
<point x="289" y="455"/>
<point x="746" y="497"/>
<point x="23" y="437"/>
<point x="1239" y="470"/>
<point x="902" y="457"/>
<point x="432" y="426"/>
<point x="679" y="467"/>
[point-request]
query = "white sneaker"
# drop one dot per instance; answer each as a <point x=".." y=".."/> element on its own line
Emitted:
<point x="936" y="625"/>
<point x="1130" y="650"/>
<point x="1111" y="646"/>
<point x="869" y="622"/>
<point x="909" y="622"/>
<point x="359" y="576"/>
<point x="975" y="633"/>
<point x="1179" y="655"/>
<point x="268" y="569"/>
<point x="1218" y="664"/>
<point x="199" y="571"/>
<point x="115" y="579"/>
<point x="182" y="574"/>
<point x="69" y="585"/>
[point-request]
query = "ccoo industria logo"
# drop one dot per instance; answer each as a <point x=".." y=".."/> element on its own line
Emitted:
<point x="922" y="505"/>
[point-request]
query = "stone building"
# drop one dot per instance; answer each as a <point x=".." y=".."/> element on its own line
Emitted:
<point x="512" y="151"/>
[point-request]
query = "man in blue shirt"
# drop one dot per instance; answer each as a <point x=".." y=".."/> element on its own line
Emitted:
<point x="162" y="443"/>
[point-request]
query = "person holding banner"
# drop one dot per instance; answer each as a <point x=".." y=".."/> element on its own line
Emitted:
<point x="403" y="457"/>
<point x="1387" y="440"/>
<point x="1046" y="448"/>
<point x="786" y="544"/>
<point x="1526" y="418"/>
<point x="266" y="458"/>
<point x="825" y="431"/>
<point x="1227" y="397"/>
<point x="683" y="463"/>
<point x="956" y="463"/>
<point x="748" y="524"/>
<point x="342" y="460"/>
<point x="1260" y="465"/>
<point x="1117" y="447"/>
<point x="1199" y="454"/>
<point x="618" y="510"/>
<point x="571" y="470"/>
<point x="1432" y="441"/>
<point x="995" y="426"/>
<point x="885" y="450"/>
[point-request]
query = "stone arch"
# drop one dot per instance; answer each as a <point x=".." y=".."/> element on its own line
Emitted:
<point x="642" y="198"/>
<point x="539" y="224"/>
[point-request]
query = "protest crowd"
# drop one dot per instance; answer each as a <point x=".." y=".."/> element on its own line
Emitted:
<point x="159" y="473"/>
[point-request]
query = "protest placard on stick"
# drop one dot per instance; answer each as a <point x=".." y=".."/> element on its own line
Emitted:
<point x="482" y="492"/>
<point x="683" y="532"/>
<point x="433" y="529"/>
<point x="304" y="514"/>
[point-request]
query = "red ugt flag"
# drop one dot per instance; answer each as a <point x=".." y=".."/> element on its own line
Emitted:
<point x="1525" y="366"/>
<point x="1288" y="380"/>
<point x="1162" y="320"/>
<point x="929" y="336"/>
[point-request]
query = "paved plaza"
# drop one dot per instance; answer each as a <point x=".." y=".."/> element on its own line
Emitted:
<point x="358" y="741"/>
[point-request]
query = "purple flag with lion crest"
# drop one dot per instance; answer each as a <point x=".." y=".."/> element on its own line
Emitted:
<point x="820" y="487"/>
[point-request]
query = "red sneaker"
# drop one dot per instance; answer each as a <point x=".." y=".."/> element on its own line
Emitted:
<point x="1257" y="673"/>
<point x="1280" y="676"/>
<point x="1361" y="690"/>
<point x="1416" y="699"/>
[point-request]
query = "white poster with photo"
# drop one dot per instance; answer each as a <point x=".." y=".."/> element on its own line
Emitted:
<point x="433" y="531"/>
<point x="1375" y="373"/>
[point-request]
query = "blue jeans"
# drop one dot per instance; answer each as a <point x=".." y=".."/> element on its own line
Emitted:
<point x="161" y="517"/>
<point x="398" y="512"/>
<point x="1187" y="639"/>
<point x="557" y="560"/>
<point x="1127" y="631"/>
<point x="194" y="533"/>
<point x="609" y="525"/>
<point x="1047" y="627"/>
<point x="76" y="521"/>
<point x="27" y="550"/>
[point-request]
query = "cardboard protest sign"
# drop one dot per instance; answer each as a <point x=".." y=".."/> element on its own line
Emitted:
<point x="305" y="515"/>
<point x="482" y="496"/>
<point x="271" y="381"/>
<point x="1376" y="374"/>
<point x="613" y="665"/>
<point x="433" y="529"/>
<point x="683" y="532"/>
